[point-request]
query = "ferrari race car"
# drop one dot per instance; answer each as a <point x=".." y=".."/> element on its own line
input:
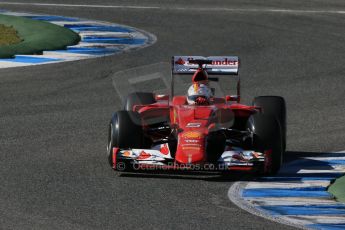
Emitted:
<point x="155" y="131"/>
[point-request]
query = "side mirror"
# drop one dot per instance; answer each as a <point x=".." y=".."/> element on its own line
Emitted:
<point x="161" y="97"/>
<point x="213" y="90"/>
<point x="229" y="98"/>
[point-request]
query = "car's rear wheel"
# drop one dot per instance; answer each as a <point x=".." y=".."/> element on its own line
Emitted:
<point x="144" y="98"/>
<point x="275" y="106"/>
<point x="125" y="131"/>
<point x="267" y="139"/>
<point x="138" y="98"/>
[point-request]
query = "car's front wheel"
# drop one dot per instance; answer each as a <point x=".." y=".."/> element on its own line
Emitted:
<point x="267" y="138"/>
<point x="125" y="131"/>
<point x="275" y="106"/>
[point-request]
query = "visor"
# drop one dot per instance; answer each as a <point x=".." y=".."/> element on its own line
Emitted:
<point x="194" y="97"/>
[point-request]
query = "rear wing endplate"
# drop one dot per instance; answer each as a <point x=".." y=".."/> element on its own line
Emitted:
<point x="227" y="65"/>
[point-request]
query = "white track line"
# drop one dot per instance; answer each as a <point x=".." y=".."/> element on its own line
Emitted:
<point x="292" y="201"/>
<point x="224" y="9"/>
<point x="235" y="197"/>
<point x="78" y="5"/>
<point x="321" y="219"/>
<point x="252" y="205"/>
<point x="84" y="49"/>
<point x="305" y="184"/>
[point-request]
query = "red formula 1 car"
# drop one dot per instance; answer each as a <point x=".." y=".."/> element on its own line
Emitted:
<point x="176" y="132"/>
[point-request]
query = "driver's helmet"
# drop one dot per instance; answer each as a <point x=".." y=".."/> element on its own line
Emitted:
<point x="199" y="94"/>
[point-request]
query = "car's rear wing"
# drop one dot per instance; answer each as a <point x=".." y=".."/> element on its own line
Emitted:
<point x="227" y="65"/>
<point x="214" y="65"/>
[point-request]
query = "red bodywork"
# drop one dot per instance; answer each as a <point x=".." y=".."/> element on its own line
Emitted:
<point x="194" y="122"/>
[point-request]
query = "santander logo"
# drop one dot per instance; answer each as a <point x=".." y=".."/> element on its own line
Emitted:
<point x="143" y="155"/>
<point x="225" y="62"/>
<point x="164" y="149"/>
<point x="180" y="61"/>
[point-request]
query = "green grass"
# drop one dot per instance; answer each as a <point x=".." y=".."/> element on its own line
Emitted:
<point x="338" y="189"/>
<point x="36" y="36"/>
<point x="8" y="35"/>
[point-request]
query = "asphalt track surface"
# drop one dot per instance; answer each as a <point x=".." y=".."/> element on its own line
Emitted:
<point x="53" y="118"/>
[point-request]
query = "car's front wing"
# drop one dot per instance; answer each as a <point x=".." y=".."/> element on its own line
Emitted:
<point x="159" y="157"/>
